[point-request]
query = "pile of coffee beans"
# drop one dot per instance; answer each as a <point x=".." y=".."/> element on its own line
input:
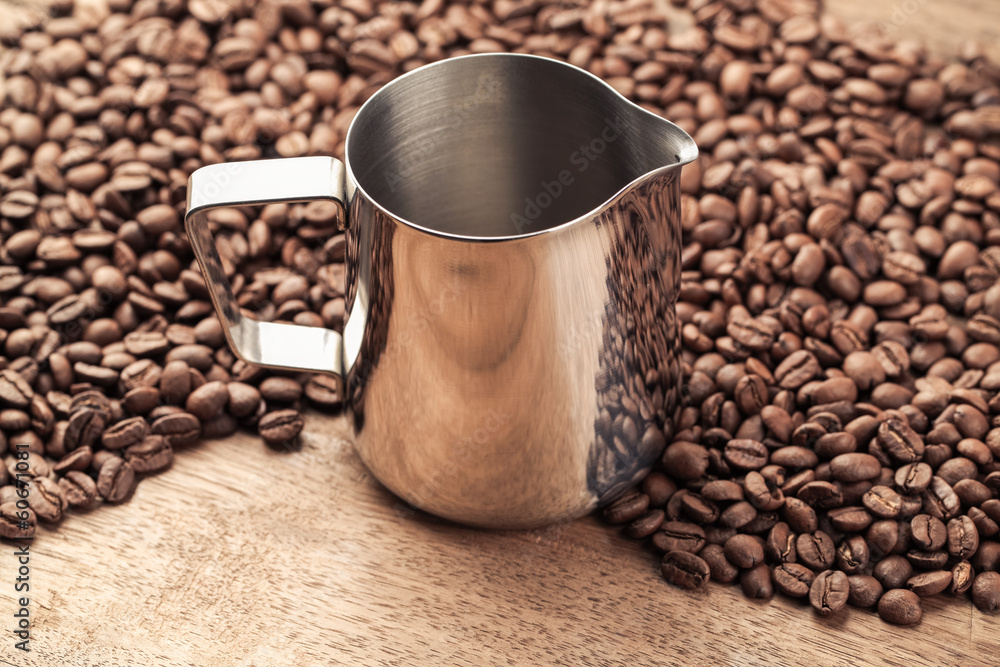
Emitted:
<point x="839" y="433"/>
<point x="839" y="437"/>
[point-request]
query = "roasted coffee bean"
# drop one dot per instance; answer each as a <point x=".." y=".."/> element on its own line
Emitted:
<point x="987" y="557"/>
<point x="14" y="420"/>
<point x="751" y="333"/>
<point x="78" y="488"/>
<point x="892" y="571"/>
<point x="78" y="459"/>
<point x="926" y="584"/>
<point x="864" y="368"/>
<point x="46" y="499"/>
<point x="985" y="525"/>
<point x="912" y="506"/>
<point x="854" y="467"/>
<point x="801" y="518"/>
<point x="16" y="522"/>
<point x="797" y="369"/>
<point x="928" y="532"/>
<point x="794" y="458"/>
<point x="141" y="400"/>
<point x="685" y="460"/>
<point x="761" y="524"/>
<point x="793" y="579"/>
<point x="853" y="554"/>
<point x="280" y="390"/>
<point x="957" y="469"/>
<point x="657" y="486"/>
<point x="963" y="537"/>
<point x="722" y="490"/>
<point x="780" y="544"/>
<point x="883" y="537"/>
<point x="913" y="478"/>
<point x="900" y="441"/>
<point x="15" y="391"/>
<point x="222" y="425"/>
<point x="939" y="500"/>
<point x="627" y="508"/>
<point x="864" y="591"/>
<point x="762" y="494"/>
<point x="84" y="429"/>
<point x="744" y="551"/>
<point x="142" y="373"/>
<point x="178" y="429"/>
<point x="927" y="560"/>
<point x="33" y="466"/>
<point x="751" y="394"/>
<point x="324" y="390"/>
<point x="962" y="576"/>
<point x="675" y="506"/>
<point x="738" y="515"/>
<point x="746" y="454"/>
<point x="698" y="509"/>
<point x="125" y="433"/>
<point x="986" y="591"/>
<point x="900" y="607"/>
<point x="679" y="536"/>
<point x="972" y="492"/>
<point x="243" y="399"/>
<point x="151" y="454"/>
<point x="816" y="550"/>
<point x="850" y="519"/>
<point x="882" y="501"/>
<point x="834" y="445"/>
<point x="146" y="343"/>
<point x="821" y="494"/>
<point x="756" y="582"/>
<point x="645" y="524"/>
<point x="721" y="569"/>
<point x="175" y="382"/>
<point x="992" y="508"/>
<point x="685" y="569"/>
<point x="116" y="480"/>
<point x="829" y="592"/>
<point x="207" y="401"/>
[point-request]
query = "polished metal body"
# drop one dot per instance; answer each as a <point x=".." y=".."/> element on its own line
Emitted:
<point x="510" y="354"/>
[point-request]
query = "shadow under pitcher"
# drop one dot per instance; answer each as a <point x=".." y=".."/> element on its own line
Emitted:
<point x="510" y="354"/>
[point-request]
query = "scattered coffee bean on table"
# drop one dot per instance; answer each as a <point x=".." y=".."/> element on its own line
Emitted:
<point x="839" y="309"/>
<point x="901" y="607"/>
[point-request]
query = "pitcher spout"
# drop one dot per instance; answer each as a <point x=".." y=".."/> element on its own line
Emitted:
<point x="664" y="145"/>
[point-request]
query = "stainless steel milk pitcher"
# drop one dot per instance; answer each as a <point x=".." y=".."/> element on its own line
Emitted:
<point x="510" y="354"/>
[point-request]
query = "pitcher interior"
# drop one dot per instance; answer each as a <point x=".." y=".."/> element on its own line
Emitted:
<point x="503" y="145"/>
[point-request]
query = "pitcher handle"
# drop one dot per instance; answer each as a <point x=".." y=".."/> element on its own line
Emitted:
<point x="268" y="344"/>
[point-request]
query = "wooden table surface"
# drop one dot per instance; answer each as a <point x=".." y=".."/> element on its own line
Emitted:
<point x="240" y="555"/>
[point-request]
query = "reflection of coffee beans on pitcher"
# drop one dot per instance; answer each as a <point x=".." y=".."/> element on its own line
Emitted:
<point x="640" y="371"/>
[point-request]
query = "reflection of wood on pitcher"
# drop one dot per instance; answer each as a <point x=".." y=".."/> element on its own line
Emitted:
<point x="471" y="304"/>
<point x="485" y="336"/>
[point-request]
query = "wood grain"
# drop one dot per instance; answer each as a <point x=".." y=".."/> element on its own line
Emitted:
<point x="946" y="26"/>
<point x="240" y="555"/>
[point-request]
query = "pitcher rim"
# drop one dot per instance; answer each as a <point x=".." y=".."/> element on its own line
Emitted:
<point x="354" y="185"/>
